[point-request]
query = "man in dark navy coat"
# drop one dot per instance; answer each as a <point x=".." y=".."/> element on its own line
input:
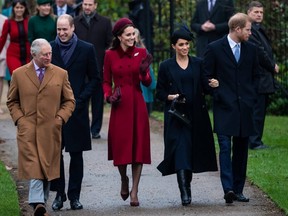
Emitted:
<point x="233" y="101"/>
<point x="265" y="84"/>
<point x="210" y="22"/>
<point x="91" y="27"/>
<point x="61" y="7"/>
<point x="79" y="59"/>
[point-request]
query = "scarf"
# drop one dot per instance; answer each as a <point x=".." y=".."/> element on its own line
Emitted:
<point x="88" y="17"/>
<point x="67" y="48"/>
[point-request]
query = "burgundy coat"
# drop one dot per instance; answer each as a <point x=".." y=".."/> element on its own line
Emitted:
<point x="129" y="134"/>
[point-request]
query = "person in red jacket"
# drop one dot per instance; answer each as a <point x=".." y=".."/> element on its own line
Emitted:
<point x="125" y="66"/>
<point x="18" y="51"/>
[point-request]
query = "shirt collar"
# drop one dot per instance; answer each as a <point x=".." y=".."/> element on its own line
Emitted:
<point x="232" y="43"/>
<point x="64" y="8"/>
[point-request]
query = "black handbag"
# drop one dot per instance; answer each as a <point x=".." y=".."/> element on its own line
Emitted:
<point x="178" y="114"/>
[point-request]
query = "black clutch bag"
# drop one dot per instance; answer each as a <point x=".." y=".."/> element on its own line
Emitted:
<point x="178" y="114"/>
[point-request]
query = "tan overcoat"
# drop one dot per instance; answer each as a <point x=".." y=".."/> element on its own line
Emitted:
<point x="33" y="108"/>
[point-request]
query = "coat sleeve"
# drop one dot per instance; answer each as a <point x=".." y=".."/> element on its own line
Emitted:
<point x="92" y="75"/>
<point x="208" y="69"/>
<point x="107" y="75"/>
<point x="13" y="100"/>
<point x="162" y="87"/>
<point x="67" y="100"/>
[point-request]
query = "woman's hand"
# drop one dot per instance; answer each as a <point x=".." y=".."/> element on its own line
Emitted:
<point x="213" y="83"/>
<point x="172" y="97"/>
<point x="145" y="63"/>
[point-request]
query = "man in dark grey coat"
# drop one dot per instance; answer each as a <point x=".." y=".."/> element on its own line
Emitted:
<point x="79" y="59"/>
<point x="95" y="29"/>
<point x="265" y="84"/>
<point x="210" y="22"/>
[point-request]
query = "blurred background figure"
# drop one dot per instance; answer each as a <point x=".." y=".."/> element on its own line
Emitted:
<point x="7" y="8"/>
<point x="148" y="92"/>
<point x="43" y="24"/>
<point x="140" y="10"/>
<point x="90" y="26"/>
<point x="3" y="65"/>
<point x="210" y="22"/>
<point x="15" y="29"/>
<point x="61" y="7"/>
<point x="265" y="84"/>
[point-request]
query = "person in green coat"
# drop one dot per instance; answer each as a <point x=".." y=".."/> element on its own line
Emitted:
<point x="43" y="24"/>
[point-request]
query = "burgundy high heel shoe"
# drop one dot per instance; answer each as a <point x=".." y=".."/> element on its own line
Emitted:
<point x="125" y="184"/>
<point x="134" y="203"/>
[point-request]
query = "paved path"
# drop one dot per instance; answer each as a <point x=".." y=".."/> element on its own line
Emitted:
<point x="157" y="195"/>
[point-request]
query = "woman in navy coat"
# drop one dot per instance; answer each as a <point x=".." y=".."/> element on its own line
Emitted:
<point x="187" y="149"/>
<point x="125" y="66"/>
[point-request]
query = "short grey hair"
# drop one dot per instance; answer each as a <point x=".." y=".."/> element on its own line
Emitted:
<point x="37" y="45"/>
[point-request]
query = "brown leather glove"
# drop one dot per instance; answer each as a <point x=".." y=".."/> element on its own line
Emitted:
<point x="145" y="63"/>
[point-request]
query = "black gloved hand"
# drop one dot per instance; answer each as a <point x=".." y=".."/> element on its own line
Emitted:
<point x="115" y="97"/>
<point x="145" y="63"/>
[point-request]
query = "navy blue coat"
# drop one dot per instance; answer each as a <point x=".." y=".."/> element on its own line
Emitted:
<point x="203" y="150"/>
<point x="265" y="84"/>
<point x="84" y="77"/>
<point x="234" y="99"/>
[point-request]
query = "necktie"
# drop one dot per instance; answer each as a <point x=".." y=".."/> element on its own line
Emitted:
<point x="60" y="11"/>
<point x="41" y="74"/>
<point x="237" y="52"/>
<point x="211" y="5"/>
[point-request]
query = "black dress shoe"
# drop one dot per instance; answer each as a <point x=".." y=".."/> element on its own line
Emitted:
<point x="259" y="147"/>
<point x="241" y="198"/>
<point x="40" y="210"/>
<point x="96" y="136"/>
<point x="58" y="202"/>
<point x="229" y="197"/>
<point x="75" y="204"/>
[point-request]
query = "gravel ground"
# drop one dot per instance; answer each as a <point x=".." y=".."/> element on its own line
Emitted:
<point x="157" y="195"/>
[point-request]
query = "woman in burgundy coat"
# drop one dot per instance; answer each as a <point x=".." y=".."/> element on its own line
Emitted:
<point x="18" y="51"/>
<point x="125" y="66"/>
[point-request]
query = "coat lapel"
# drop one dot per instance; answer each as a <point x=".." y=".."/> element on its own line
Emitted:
<point x="31" y="73"/>
<point x="228" y="50"/>
<point x="49" y="72"/>
<point x="174" y="76"/>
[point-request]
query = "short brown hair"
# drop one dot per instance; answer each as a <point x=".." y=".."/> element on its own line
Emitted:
<point x="238" y="20"/>
<point x="254" y="4"/>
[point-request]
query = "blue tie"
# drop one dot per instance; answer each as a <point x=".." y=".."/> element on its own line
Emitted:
<point x="237" y="52"/>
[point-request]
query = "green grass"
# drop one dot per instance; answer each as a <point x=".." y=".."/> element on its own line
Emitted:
<point x="268" y="168"/>
<point x="8" y="194"/>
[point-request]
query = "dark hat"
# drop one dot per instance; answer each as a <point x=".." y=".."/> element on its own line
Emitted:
<point x="120" y="25"/>
<point x="182" y="33"/>
<point x="41" y="2"/>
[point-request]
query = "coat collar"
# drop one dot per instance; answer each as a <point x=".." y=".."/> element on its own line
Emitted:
<point x="129" y="52"/>
<point x="31" y="73"/>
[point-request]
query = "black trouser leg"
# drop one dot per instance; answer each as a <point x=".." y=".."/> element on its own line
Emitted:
<point x="184" y="178"/>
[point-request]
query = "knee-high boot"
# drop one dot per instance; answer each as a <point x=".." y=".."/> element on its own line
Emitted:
<point x="184" y="186"/>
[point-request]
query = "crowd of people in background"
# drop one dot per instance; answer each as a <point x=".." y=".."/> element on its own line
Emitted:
<point x="102" y="63"/>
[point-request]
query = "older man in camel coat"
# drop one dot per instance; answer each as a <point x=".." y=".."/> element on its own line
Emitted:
<point x="39" y="106"/>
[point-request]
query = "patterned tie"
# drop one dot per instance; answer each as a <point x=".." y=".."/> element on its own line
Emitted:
<point x="41" y="74"/>
<point x="237" y="52"/>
